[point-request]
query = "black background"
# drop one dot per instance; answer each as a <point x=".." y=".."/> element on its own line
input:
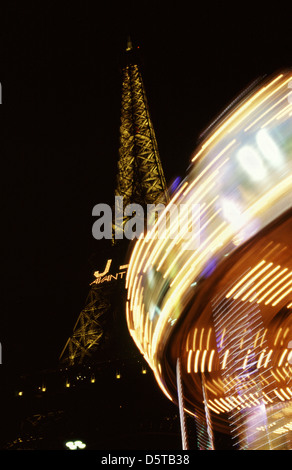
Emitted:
<point x="61" y="91"/>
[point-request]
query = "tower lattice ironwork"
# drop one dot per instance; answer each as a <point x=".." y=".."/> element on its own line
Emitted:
<point x="88" y="330"/>
<point x="140" y="179"/>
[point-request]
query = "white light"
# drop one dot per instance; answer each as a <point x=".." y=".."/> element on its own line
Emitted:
<point x="269" y="148"/>
<point x="80" y="444"/>
<point x="71" y="445"/>
<point x="232" y="213"/>
<point x="251" y="162"/>
<point x="75" y="445"/>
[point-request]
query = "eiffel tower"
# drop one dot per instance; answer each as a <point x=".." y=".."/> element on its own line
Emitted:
<point x="101" y="390"/>
<point x="100" y="328"/>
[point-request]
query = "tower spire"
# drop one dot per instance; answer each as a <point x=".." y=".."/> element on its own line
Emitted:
<point x="140" y="177"/>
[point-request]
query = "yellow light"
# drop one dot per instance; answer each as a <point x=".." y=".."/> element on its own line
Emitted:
<point x="266" y="112"/>
<point x="278" y="190"/>
<point x="268" y="284"/>
<point x="281" y="375"/>
<point x="196" y="365"/>
<point x="189" y="361"/>
<point x="277" y="336"/>
<point x="267" y="397"/>
<point x="222" y="338"/>
<point x="220" y="404"/>
<point x="246" y="359"/>
<point x="256" y="339"/>
<point x="286" y="332"/>
<point x="278" y="115"/>
<point x="201" y="338"/>
<point x="240" y="110"/>
<point x="279" y="395"/>
<point x="252" y="280"/>
<point x="225" y="359"/>
<point x="254" y="288"/>
<point x="255" y="399"/>
<point x="194" y="339"/>
<point x="263" y="337"/>
<point x="213" y="408"/>
<point x="161" y="385"/>
<point x="208" y="338"/>
<point x="282" y="357"/>
<point x="97" y="274"/>
<point x="150" y="235"/>
<point x="210" y="164"/>
<point x="280" y="290"/>
<point x="260" y="359"/>
<point x="203" y="360"/>
<point x="282" y="296"/>
<point x="268" y="358"/>
<point x="178" y="270"/>
<point x="244" y="279"/>
<point x="211" y="360"/>
<point x="274" y="375"/>
<point x="285" y="394"/>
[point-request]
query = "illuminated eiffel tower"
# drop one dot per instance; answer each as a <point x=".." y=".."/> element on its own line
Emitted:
<point x="102" y="389"/>
<point x="140" y="175"/>
<point x="140" y="180"/>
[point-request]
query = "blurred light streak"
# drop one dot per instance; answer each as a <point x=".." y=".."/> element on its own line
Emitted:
<point x="267" y="285"/>
<point x="270" y="108"/>
<point x="237" y="113"/>
<point x="258" y="284"/>
<point x="269" y="148"/>
<point x="279" y="290"/>
<point x="252" y="163"/>
<point x="264" y="269"/>
<point x="244" y="278"/>
<point x="243" y="182"/>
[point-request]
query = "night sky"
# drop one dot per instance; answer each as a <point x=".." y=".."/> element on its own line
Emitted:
<point x="61" y="88"/>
